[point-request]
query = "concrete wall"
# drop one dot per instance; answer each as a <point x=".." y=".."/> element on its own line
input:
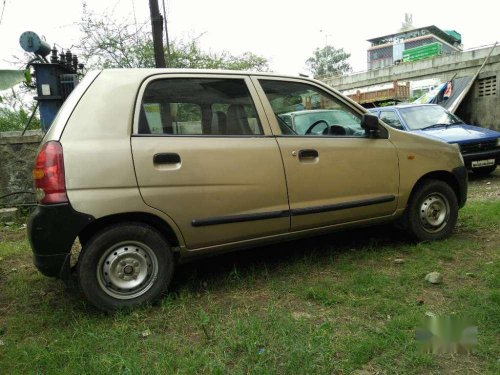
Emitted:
<point x="17" y="155"/>
<point x="485" y="110"/>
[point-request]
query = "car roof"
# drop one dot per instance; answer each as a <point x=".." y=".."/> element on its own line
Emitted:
<point x="402" y="106"/>
<point x="153" y="71"/>
<point x="308" y="111"/>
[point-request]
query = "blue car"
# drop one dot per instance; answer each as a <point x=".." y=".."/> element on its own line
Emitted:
<point x="480" y="147"/>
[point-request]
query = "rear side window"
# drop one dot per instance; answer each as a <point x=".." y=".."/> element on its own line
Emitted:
<point x="198" y="106"/>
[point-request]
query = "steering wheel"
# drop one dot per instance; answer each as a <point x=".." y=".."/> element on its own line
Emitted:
<point x="316" y="123"/>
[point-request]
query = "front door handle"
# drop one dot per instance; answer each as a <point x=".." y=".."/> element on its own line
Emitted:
<point x="308" y="154"/>
<point x="166" y="158"/>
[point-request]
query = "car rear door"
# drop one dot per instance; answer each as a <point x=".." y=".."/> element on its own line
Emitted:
<point x="203" y="156"/>
<point x="332" y="178"/>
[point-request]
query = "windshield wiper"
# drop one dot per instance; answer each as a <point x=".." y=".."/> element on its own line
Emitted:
<point x="435" y="126"/>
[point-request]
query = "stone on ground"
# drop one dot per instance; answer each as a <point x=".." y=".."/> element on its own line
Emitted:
<point x="434" y="278"/>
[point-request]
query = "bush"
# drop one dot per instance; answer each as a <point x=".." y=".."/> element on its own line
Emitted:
<point x="11" y="120"/>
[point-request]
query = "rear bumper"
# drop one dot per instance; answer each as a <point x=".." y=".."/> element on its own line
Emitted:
<point x="52" y="229"/>
<point x="482" y="155"/>
<point x="460" y="174"/>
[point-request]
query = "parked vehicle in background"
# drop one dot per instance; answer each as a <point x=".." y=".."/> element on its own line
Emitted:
<point x="148" y="167"/>
<point x="480" y="147"/>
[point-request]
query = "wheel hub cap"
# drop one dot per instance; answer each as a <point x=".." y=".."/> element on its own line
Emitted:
<point x="434" y="212"/>
<point x="127" y="270"/>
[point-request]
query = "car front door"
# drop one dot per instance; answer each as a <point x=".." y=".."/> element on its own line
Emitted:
<point x="203" y="156"/>
<point x="336" y="173"/>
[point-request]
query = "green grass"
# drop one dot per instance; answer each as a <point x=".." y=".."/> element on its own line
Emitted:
<point x="333" y="304"/>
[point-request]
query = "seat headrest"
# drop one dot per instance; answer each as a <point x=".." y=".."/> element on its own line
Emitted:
<point x="237" y="120"/>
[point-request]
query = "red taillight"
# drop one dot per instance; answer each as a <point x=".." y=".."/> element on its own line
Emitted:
<point x="49" y="174"/>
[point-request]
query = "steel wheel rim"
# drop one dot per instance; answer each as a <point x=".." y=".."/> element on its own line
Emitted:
<point x="434" y="212"/>
<point x="127" y="270"/>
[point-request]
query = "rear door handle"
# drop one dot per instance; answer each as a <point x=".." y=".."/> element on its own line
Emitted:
<point x="308" y="154"/>
<point x="166" y="158"/>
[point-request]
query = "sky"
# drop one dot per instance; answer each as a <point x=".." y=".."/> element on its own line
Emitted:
<point x="285" y="32"/>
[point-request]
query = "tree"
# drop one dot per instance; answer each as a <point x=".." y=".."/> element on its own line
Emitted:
<point x="16" y="109"/>
<point x="329" y="60"/>
<point x="109" y="43"/>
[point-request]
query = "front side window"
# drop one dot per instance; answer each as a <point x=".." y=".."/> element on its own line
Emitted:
<point x="198" y="106"/>
<point x="391" y="119"/>
<point x="305" y="110"/>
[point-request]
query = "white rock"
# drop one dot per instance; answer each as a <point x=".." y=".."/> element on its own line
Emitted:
<point x="434" y="278"/>
<point x="145" y="333"/>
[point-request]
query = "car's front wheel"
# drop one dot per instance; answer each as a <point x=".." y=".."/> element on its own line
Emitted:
<point x="124" y="266"/>
<point x="432" y="211"/>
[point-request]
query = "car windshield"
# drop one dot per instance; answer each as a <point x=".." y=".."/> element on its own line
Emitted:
<point x="303" y="121"/>
<point x="421" y="117"/>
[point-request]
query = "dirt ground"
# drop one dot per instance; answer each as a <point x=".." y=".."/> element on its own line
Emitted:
<point x="484" y="188"/>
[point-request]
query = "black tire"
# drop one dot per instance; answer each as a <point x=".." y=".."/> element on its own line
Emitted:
<point x="484" y="171"/>
<point x="124" y="266"/>
<point x="432" y="211"/>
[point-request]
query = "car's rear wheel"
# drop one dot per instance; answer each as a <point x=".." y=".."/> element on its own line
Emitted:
<point x="432" y="211"/>
<point x="124" y="266"/>
<point x="484" y="171"/>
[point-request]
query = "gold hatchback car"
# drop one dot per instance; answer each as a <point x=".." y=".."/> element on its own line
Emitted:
<point x="148" y="167"/>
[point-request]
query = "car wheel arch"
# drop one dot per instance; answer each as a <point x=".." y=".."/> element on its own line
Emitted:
<point x="155" y="222"/>
<point x="444" y="176"/>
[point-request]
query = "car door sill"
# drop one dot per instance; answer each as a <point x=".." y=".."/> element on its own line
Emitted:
<point x="187" y="254"/>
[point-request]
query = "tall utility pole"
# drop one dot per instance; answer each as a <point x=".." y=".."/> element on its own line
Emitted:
<point x="166" y="29"/>
<point x="157" y="28"/>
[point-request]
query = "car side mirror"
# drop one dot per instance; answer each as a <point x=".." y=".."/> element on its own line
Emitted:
<point x="369" y="122"/>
